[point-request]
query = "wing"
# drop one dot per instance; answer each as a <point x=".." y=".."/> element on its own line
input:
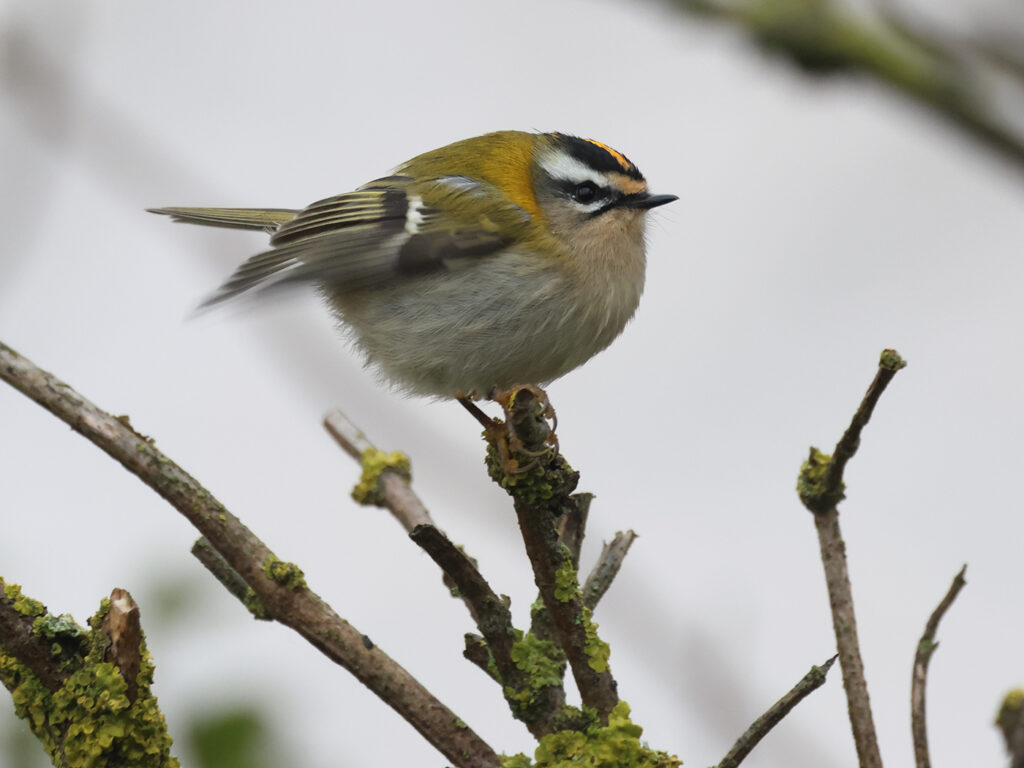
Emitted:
<point x="388" y="230"/>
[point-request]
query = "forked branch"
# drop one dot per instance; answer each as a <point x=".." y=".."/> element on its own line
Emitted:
<point x="278" y="585"/>
<point x="821" y="488"/>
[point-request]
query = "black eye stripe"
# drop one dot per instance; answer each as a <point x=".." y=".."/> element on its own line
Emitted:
<point x="584" y="192"/>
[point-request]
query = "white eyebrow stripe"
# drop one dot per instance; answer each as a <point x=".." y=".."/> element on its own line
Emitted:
<point x="559" y="165"/>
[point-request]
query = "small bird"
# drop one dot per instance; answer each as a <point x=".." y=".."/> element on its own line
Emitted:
<point x="505" y="259"/>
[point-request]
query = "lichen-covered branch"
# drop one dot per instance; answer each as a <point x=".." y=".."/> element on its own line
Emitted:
<point x="925" y="648"/>
<point x="279" y="585"/>
<point x="88" y="698"/>
<point x="820" y="486"/>
<point x="572" y="526"/>
<point x="535" y="706"/>
<point x="541" y="493"/>
<point x="385" y="480"/>
<point x="809" y="683"/>
<point x="386" y="476"/>
<point x="606" y="567"/>
<point x="1010" y="721"/>
<point x="953" y="79"/>
<point x="20" y="642"/>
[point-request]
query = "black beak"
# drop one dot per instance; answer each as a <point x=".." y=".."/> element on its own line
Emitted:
<point x="643" y="201"/>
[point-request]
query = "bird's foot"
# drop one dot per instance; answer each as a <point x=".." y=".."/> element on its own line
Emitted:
<point x="528" y="432"/>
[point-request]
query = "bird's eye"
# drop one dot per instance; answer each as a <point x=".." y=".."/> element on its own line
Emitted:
<point x="586" y="192"/>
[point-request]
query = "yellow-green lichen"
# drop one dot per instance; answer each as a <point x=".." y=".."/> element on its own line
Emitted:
<point x="89" y="721"/>
<point x="103" y="728"/>
<point x="810" y="483"/>
<point x="256" y="606"/>
<point x="286" y="574"/>
<point x="616" y="745"/>
<point x="30" y="697"/>
<point x="23" y="604"/>
<point x="53" y="627"/>
<point x="567" y="586"/>
<point x="69" y="640"/>
<point x="597" y="650"/>
<point x="891" y="360"/>
<point x="375" y="462"/>
<point x="544" y="664"/>
<point x="1011" y="712"/>
<point x="545" y="480"/>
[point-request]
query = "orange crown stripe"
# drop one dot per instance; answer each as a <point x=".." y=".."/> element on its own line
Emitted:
<point x="626" y="165"/>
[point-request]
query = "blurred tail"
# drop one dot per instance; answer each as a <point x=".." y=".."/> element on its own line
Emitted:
<point x="268" y="219"/>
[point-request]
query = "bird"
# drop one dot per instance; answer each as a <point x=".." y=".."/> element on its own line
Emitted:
<point x="506" y="259"/>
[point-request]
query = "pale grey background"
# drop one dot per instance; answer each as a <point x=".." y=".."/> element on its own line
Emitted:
<point x="816" y="225"/>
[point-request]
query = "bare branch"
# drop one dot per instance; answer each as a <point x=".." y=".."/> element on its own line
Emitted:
<point x="820" y="486"/>
<point x="760" y="727"/>
<point x="844" y="623"/>
<point x="606" y="568"/>
<point x="279" y="585"/>
<point x="572" y="525"/>
<point x="925" y="648"/>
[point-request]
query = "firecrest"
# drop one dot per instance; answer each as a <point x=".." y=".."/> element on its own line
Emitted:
<point x="509" y="258"/>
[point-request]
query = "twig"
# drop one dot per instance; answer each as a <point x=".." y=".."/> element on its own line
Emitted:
<point x="572" y="525"/>
<point x="476" y="651"/>
<point x="122" y="625"/>
<point x="393" y="488"/>
<point x="540" y="495"/>
<point x="215" y="563"/>
<point x="760" y="727"/>
<point x="494" y="620"/>
<point x="821" y="488"/>
<point x="606" y="568"/>
<point x="888" y="365"/>
<point x="277" y="584"/>
<point x="392" y="491"/>
<point x="491" y="615"/>
<point x="925" y="648"/>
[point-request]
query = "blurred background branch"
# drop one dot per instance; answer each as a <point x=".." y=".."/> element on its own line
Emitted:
<point x="973" y="83"/>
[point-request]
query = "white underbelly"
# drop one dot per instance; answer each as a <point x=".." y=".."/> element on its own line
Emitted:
<point x="497" y="323"/>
